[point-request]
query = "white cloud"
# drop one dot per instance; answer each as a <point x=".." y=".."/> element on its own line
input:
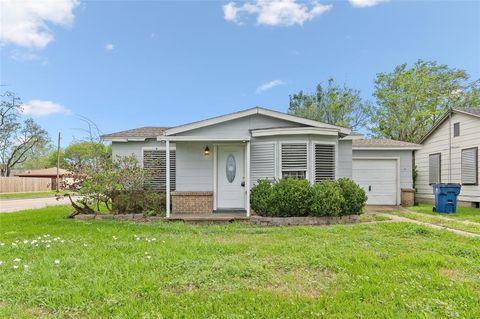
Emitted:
<point x="270" y="85"/>
<point x="26" y="22"/>
<point x="109" y="46"/>
<point x="365" y="3"/>
<point x="38" y="108"/>
<point x="275" y="12"/>
<point x="27" y="56"/>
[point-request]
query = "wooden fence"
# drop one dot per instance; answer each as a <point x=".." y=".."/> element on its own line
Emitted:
<point x="25" y="184"/>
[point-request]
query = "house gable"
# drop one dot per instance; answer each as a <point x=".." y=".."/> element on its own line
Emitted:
<point x="438" y="142"/>
<point x="239" y="124"/>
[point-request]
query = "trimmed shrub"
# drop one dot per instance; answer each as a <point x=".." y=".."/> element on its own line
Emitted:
<point x="291" y="197"/>
<point x="355" y="197"/>
<point x="296" y="197"/>
<point x="261" y="197"/>
<point x="327" y="199"/>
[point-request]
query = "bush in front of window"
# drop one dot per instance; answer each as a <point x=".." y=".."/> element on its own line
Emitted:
<point x="296" y="197"/>
<point x="291" y="197"/>
<point x="355" y="197"/>
<point x="261" y="197"/>
<point x="327" y="199"/>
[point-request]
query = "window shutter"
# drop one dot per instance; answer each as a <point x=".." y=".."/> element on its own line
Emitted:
<point x="434" y="166"/>
<point x="324" y="162"/>
<point x="262" y="159"/>
<point x="154" y="162"/>
<point x="294" y="157"/>
<point x="470" y="166"/>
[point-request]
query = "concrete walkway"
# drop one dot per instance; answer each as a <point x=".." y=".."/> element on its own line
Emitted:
<point x="395" y="218"/>
<point x="13" y="205"/>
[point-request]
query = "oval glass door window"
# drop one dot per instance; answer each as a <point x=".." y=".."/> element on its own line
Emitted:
<point x="231" y="168"/>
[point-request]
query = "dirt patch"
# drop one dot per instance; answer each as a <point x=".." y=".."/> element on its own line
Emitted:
<point x="453" y="274"/>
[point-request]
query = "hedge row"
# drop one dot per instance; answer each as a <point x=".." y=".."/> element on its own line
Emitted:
<point x="297" y="197"/>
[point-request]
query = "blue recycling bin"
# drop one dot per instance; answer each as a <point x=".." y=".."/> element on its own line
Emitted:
<point x="446" y="197"/>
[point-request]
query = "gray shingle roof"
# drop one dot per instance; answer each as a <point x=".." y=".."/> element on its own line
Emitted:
<point x="474" y="111"/>
<point x="141" y="132"/>
<point x="383" y="143"/>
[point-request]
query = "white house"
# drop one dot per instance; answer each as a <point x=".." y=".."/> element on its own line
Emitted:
<point x="449" y="154"/>
<point x="210" y="165"/>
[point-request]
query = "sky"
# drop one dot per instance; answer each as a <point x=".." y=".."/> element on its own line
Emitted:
<point x="128" y="64"/>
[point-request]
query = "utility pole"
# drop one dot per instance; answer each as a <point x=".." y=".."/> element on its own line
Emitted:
<point x="58" y="163"/>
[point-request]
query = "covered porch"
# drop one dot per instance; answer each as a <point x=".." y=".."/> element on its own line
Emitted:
<point x="212" y="179"/>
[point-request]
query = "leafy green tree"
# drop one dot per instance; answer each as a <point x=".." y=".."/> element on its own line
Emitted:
<point x="19" y="140"/>
<point x="410" y="99"/>
<point x="83" y="153"/>
<point x="333" y="104"/>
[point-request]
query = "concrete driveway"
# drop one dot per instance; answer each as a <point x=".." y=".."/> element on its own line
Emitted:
<point x="13" y="205"/>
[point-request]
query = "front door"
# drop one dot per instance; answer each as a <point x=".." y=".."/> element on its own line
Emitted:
<point x="230" y="177"/>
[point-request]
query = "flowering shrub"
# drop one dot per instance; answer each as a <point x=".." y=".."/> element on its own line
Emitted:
<point x="292" y="197"/>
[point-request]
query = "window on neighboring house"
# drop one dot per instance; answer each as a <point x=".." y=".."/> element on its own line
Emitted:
<point x="294" y="160"/>
<point x="324" y="162"/>
<point x="434" y="168"/>
<point x="456" y="129"/>
<point x="470" y="166"/>
<point x="154" y="162"/>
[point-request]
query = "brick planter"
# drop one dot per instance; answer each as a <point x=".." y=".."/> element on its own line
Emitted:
<point x="291" y="221"/>
<point x="407" y="197"/>
<point x="192" y="202"/>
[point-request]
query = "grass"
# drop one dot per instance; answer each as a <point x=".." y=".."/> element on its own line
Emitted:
<point x="463" y="213"/>
<point x="466" y="219"/>
<point x="6" y="196"/>
<point x="441" y="221"/>
<point x="387" y="270"/>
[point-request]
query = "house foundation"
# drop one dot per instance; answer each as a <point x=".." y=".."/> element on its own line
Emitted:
<point x="192" y="202"/>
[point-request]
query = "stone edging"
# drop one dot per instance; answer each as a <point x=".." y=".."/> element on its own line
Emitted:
<point x="290" y="221"/>
<point x="133" y="217"/>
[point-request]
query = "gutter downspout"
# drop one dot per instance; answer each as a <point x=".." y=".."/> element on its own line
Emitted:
<point x="449" y="147"/>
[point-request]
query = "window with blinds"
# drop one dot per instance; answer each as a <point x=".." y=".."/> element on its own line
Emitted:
<point x="324" y="162"/>
<point x="294" y="160"/>
<point x="262" y="162"/>
<point x="154" y="163"/>
<point x="470" y="166"/>
<point x="434" y="168"/>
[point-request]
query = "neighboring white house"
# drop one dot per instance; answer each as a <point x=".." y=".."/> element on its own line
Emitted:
<point x="210" y="165"/>
<point x="449" y="154"/>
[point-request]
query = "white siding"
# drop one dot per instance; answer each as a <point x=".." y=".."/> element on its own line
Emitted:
<point x="344" y="159"/>
<point x="135" y="148"/>
<point x="194" y="169"/>
<point x="438" y="142"/>
<point x="239" y="127"/>
<point x="406" y="180"/>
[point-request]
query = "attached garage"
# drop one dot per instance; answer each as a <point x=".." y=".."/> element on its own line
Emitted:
<point x="384" y="169"/>
<point x="378" y="177"/>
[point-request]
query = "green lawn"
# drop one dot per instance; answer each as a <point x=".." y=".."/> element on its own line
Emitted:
<point x="470" y="214"/>
<point x="26" y="195"/>
<point x="108" y="269"/>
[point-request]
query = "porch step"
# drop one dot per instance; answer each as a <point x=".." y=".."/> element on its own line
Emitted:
<point x="207" y="218"/>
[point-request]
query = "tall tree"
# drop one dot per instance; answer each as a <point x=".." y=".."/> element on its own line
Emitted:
<point x="410" y="100"/>
<point x="333" y="104"/>
<point x="18" y="140"/>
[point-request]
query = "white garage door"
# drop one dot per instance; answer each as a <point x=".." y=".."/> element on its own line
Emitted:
<point x="378" y="178"/>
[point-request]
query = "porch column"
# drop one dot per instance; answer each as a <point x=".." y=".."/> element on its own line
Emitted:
<point x="247" y="182"/>
<point x="167" y="193"/>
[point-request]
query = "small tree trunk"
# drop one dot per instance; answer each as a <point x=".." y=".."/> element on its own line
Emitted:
<point x="79" y="209"/>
